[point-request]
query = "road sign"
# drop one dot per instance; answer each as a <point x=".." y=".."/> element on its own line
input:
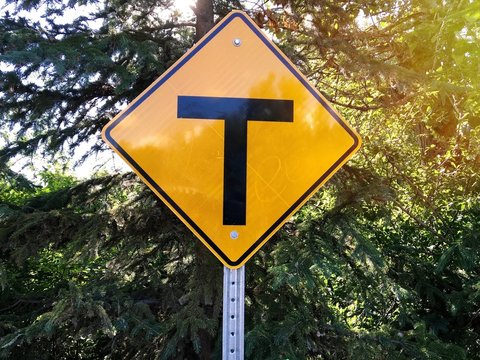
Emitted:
<point x="233" y="138"/>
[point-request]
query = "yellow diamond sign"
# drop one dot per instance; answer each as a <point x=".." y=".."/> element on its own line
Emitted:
<point x="233" y="139"/>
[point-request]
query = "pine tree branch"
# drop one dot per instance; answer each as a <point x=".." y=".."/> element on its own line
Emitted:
<point x="19" y="302"/>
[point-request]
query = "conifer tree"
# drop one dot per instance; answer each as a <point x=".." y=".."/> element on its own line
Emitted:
<point x="381" y="264"/>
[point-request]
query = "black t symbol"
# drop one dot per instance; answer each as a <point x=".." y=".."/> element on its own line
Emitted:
<point x="236" y="112"/>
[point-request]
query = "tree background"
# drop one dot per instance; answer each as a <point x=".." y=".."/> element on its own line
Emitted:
<point x="382" y="263"/>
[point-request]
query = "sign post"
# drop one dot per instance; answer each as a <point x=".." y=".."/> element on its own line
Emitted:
<point x="233" y="313"/>
<point x="234" y="140"/>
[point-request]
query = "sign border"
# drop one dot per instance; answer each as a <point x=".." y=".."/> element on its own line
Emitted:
<point x="106" y="134"/>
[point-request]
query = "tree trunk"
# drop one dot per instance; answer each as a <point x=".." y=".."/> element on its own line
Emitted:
<point x="204" y="13"/>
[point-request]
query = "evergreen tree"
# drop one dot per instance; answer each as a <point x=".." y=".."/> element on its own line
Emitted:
<point x="381" y="264"/>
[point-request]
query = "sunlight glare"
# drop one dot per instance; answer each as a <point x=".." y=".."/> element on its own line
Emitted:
<point x="185" y="7"/>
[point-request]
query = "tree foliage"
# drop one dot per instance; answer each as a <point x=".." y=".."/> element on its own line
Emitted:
<point x="382" y="263"/>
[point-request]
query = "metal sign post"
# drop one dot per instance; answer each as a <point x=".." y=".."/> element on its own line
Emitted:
<point x="233" y="313"/>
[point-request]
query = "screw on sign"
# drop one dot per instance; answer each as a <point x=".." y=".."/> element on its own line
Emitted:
<point x="234" y="140"/>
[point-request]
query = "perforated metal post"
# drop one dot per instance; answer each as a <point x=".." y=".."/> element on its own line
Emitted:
<point x="233" y="313"/>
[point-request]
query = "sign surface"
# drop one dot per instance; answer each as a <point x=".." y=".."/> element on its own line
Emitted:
<point x="233" y="139"/>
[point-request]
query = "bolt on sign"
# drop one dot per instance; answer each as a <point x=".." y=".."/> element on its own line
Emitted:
<point x="233" y="139"/>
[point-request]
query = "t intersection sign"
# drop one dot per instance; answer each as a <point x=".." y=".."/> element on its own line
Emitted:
<point x="233" y="138"/>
